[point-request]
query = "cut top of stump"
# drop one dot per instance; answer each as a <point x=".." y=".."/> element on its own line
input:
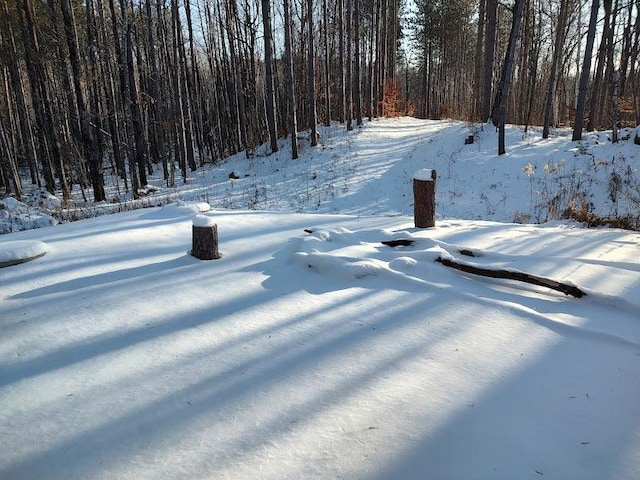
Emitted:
<point x="203" y="221"/>
<point x="425" y="175"/>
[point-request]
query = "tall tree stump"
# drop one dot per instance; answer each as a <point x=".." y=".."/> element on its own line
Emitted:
<point x="205" y="238"/>
<point x="424" y="198"/>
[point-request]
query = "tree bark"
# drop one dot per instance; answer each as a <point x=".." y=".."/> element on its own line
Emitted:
<point x="424" y="201"/>
<point x="313" y="122"/>
<point x="8" y="163"/>
<point x="270" y="100"/>
<point x="17" y="84"/>
<point x="49" y="141"/>
<point x="349" y="63"/>
<point x="125" y="92"/>
<point x="478" y="78"/>
<point x="584" y="74"/>
<point x="614" y="107"/>
<point x="505" y="81"/>
<point x="291" y="90"/>
<point x="357" y="92"/>
<point x="594" y="113"/>
<point x="513" y="275"/>
<point x="489" y="52"/>
<point x="327" y="66"/>
<point x="204" y="243"/>
<point x="557" y="52"/>
<point x="342" y="97"/>
<point x="89" y="143"/>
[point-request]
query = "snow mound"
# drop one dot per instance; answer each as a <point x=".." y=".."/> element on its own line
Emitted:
<point x="407" y="259"/>
<point x="179" y="209"/>
<point x="41" y="198"/>
<point x="16" y="216"/>
<point x="358" y="255"/>
<point x="19" y="251"/>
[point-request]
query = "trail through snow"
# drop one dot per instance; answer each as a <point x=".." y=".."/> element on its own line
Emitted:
<point x="323" y="354"/>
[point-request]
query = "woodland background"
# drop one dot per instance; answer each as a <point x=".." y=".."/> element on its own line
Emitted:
<point x="121" y="87"/>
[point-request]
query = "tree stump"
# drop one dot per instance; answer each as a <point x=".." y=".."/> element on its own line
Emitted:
<point x="205" y="238"/>
<point x="424" y="198"/>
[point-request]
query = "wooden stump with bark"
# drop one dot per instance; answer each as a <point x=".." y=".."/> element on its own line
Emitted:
<point x="205" y="238"/>
<point x="424" y="198"/>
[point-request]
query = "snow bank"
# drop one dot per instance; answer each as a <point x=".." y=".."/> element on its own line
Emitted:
<point x="16" y="216"/>
<point x="18" y="251"/>
<point x="179" y="209"/>
<point x="354" y="360"/>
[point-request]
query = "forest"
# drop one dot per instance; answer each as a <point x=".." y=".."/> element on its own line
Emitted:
<point x="124" y="87"/>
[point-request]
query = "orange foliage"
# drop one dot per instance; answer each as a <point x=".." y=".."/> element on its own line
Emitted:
<point x="391" y="99"/>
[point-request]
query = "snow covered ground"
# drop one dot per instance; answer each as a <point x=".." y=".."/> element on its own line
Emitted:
<point x="369" y="172"/>
<point x="326" y="354"/>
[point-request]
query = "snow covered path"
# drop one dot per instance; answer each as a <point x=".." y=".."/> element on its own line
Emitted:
<point x="323" y="355"/>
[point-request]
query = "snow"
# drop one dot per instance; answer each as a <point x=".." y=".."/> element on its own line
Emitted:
<point x="203" y="221"/>
<point x="16" y="215"/>
<point x="20" y="251"/>
<point x="424" y="174"/>
<point x="312" y="350"/>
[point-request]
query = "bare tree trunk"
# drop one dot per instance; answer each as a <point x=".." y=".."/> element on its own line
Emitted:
<point x="370" y="80"/>
<point x="185" y="93"/>
<point x="291" y="89"/>
<point x="94" y="105"/>
<point x="534" y="55"/>
<point x="17" y="84"/>
<point x="106" y="71"/>
<point x="614" y="113"/>
<point x="139" y="136"/>
<point x="382" y="50"/>
<point x="70" y="116"/>
<point x="327" y="86"/>
<point x="557" y="52"/>
<point x="342" y="96"/>
<point x="312" y="78"/>
<point x="196" y="104"/>
<point x="357" y="86"/>
<point x="8" y="164"/>
<point x="49" y="142"/>
<point x="89" y="143"/>
<point x="270" y="99"/>
<point x="584" y="75"/>
<point x="505" y="81"/>
<point x="156" y="137"/>
<point x="125" y="92"/>
<point x="241" y="109"/>
<point x="625" y="54"/>
<point x="601" y="59"/>
<point x="489" y="51"/>
<point x="349" y="78"/>
<point x="633" y="62"/>
<point x="478" y="78"/>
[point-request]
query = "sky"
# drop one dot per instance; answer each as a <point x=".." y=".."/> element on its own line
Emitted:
<point x="312" y="350"/>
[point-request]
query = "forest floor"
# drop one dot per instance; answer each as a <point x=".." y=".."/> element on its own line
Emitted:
<point x="311" y="349"/>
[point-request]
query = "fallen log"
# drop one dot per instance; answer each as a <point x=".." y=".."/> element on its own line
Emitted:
<point x="493" y="273"/>
<point x="398" y="243"/>
<point x="404" y="242"/>
<point x="18" y="261"/>
<point x="511" y="275"/>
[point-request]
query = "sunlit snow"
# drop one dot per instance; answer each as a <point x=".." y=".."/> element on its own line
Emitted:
<point x="311" y="349"/>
